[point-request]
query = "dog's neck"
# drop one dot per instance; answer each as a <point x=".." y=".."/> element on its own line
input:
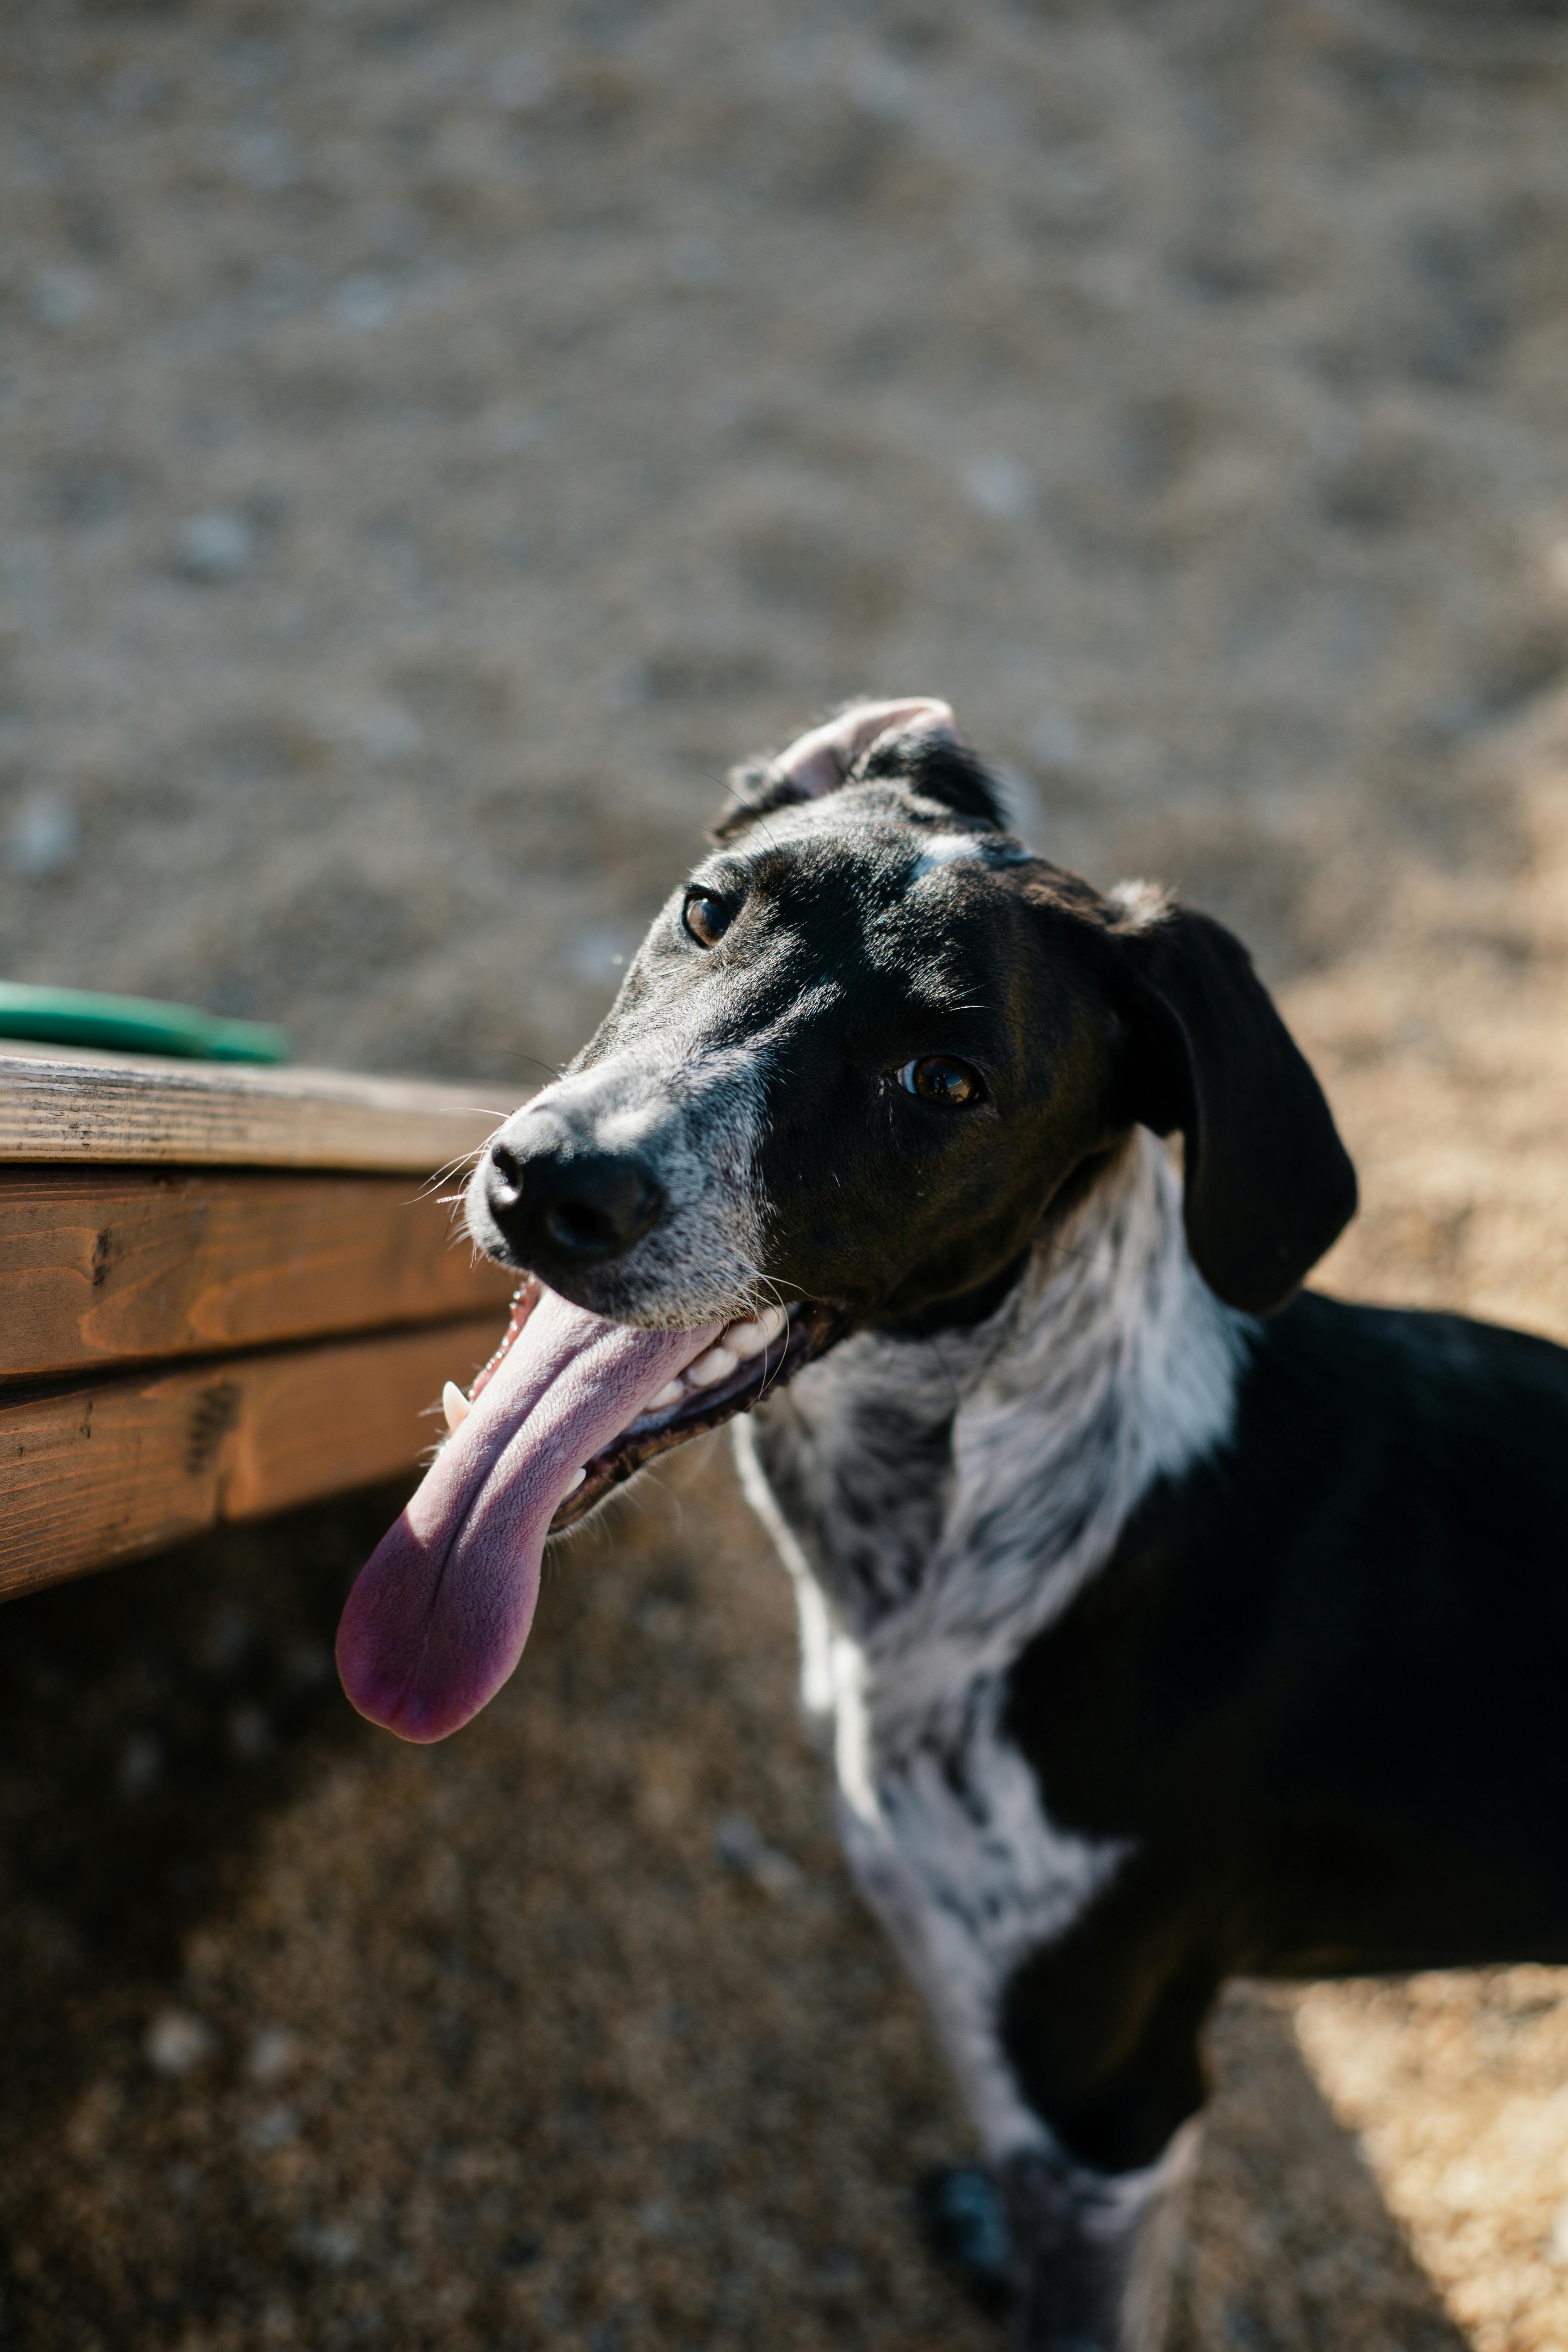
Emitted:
<point x="952" y="1491"/>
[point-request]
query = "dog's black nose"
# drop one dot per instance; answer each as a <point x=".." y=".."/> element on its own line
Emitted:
<point x="552" y="1198"/>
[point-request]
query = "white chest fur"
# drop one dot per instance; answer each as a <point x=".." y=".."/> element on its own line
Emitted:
<point x="938" y="1503"/>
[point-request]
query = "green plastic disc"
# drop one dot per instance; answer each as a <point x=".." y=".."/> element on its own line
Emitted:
<point x="136" y="1024"/>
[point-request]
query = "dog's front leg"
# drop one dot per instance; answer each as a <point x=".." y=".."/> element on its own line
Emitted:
<point x="1086" y="2253"/>
<point x="1091" y="2252"/>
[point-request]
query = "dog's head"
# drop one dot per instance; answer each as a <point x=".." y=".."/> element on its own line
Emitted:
<point x="869" y="1041"/>
<point x="867" y="1050"/>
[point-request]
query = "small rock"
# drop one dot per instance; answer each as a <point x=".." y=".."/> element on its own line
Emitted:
<point x="387" y="732"/>
<point x="266" y="160"/>
<point x="1001" y="486"/>
<point x="136" y="89"/>
<point x="334" y="2244"/>
<point x="881" y="88"/>
<point x="215" y="544"/>
<point x="775" y="1873"/>
<point x="44" y="839"/>
<point x="737" y="1842"/>
<point x="275" y="2127"/>
<point x="249" y="1734"/>
<point x="63" y="295"/>
<point x="741" y="1848"/>
<point x="1110" y="278"/>
<point x="273" y="2054"/>
<point x="175" y="2042"/>
<point x="521" y="82"/>
<point x="696" y="261"/>
<point x="364" y="304"/>
<point x="225" y="1642"/>
<point x="256" y="64"/>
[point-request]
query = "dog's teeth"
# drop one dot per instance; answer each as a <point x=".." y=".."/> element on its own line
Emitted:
<point x="671" y="1393"/>
<point x="576" y="1481"/>
<point x="756" y="1333"/>
<point x="716" y="1365"/>
<point x="455" y="1405"/>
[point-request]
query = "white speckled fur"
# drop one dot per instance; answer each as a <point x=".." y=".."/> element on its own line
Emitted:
<point x="938" y="1503"/>
<point x="950" y="1495"/>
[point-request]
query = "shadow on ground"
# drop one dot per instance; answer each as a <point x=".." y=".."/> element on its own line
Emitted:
<point x="570" y="2031"/>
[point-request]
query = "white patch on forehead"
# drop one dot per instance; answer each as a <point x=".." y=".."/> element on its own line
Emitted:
<point x="992" y="850"/>
<point x="945" y="849"/>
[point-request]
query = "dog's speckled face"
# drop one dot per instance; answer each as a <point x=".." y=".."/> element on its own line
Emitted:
<point x="855" y="1056"/>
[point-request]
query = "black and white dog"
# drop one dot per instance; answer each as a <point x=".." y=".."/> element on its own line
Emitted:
<point x="1165" y="1622"/>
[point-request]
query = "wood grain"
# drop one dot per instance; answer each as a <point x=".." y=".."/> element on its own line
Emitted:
<point x="72" y="1105"/>
<point x="99" y="1473"/>
<point x="102" y="1267"/>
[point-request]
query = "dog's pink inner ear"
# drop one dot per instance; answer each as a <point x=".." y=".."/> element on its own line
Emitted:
<point x="818" y="763"/>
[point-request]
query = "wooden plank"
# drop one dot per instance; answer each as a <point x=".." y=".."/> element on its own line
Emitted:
<point x="72" y="1105"/>
<point x="97" y="1474"/>
<point x="100" y="1266"/>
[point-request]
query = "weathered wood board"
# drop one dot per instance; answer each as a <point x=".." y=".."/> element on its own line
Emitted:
<point x="101" y="1267"/>
<point x="223" y="1290"/>
<point x="92" y="1475"/>
<point x="72" y="1105"/>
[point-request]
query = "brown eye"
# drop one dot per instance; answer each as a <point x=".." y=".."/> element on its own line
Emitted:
<point x="706" y="918"/>
<point x="938" y="1078"/>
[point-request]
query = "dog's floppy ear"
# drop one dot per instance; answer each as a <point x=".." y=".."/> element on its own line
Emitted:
<point x="914" y="743"/>
<point x="1269" y="1183"/>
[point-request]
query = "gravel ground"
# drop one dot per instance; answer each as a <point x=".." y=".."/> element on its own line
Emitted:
<point x="439" y="440"/>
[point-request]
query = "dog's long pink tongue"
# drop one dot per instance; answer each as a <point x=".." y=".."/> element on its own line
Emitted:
<point x="441" y="1609"/>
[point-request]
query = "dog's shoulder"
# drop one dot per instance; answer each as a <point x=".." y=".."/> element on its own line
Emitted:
<point x="1352" y="1610"/>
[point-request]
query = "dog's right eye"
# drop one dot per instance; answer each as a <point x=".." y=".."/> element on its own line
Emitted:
<point x="706" y="918"/>
<point x="940" y="1078"/>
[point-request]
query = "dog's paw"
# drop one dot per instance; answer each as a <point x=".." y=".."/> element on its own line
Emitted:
<point x="962" y="2221"/>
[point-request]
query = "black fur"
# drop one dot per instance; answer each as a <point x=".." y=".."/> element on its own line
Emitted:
<point x="1269" y="1183"/>
<point x="1318" y="1684"/>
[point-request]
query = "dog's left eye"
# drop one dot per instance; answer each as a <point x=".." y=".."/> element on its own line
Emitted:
<point x="938" y="1079"/>
<point x="707" y="919"/>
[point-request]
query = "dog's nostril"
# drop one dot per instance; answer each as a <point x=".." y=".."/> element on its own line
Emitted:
<point x="601" y="1208"/>
<point x="505" y="1164"/>
<point x="585" y="1232"/>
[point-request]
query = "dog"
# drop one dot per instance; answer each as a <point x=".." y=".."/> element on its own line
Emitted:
<point x="1164" y="1620"/>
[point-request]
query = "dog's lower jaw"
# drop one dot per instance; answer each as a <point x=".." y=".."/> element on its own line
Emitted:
<point x="808" y="1328"/>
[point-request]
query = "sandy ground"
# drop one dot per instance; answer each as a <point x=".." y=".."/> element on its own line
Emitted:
<point x="438" y="440"/>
